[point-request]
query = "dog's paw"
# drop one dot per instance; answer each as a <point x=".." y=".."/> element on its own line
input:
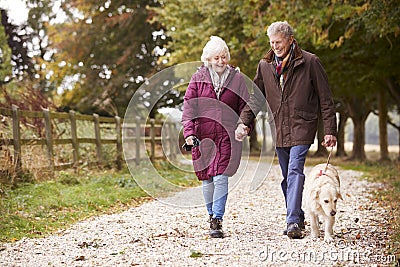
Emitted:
<point x="314" y="234"/>
<point x="328" y="239"/>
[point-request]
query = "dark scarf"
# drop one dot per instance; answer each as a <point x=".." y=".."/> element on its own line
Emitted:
<point x="282" y="65"/>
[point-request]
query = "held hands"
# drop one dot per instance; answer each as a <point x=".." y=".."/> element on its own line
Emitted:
<point x="241" y="132"/>
<point x="329" y="141"/>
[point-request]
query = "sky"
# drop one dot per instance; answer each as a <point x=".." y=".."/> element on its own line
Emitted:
<point x="17" y="10"/>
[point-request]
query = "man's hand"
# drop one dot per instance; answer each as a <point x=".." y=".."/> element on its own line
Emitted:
<point x="329" y="141"/>
<point x="241" y="132"/>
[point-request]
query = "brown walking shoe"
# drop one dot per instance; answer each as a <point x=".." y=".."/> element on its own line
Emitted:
<point x="294" y="231"/>
<point x="216" y="228"/>
<point x="301" y="225"/>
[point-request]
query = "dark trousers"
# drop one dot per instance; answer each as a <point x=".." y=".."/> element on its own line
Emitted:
<point x="292" y="160"/>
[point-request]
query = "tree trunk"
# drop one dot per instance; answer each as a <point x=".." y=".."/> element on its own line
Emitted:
<point x="383" y="119"/>
<point x="394" y="91"/>
<point x="398" y="158"/>
<point x="254" y="145"/>
<point x="358" y="110"/>
<point x="359" y="138"/>
<point x="321" y="150"/>
<point x="340" y="152"/>
<point x="398" y="129"/>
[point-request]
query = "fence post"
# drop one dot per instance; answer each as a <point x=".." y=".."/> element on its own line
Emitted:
<point x="119" y="142"/>
<point x="49" y="140"/>
<point x="16" y="139"/>
<point x="246" y="144"/>
<point x="152" y="140"/>
<point x="98" y="138"/>
<point x="171" y="132"/>
<point x="137" y="146"/>
<point x="176" y="136"/>
<point x="74" y="139"/>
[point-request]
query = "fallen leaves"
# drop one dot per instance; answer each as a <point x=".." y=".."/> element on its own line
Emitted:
<point x="358" y="236"/>
<point x="80" y="258"/>
<point x="196" y="254"/>
<point x="85" y="244"/>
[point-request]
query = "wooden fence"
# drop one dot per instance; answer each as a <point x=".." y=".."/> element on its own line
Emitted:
<point x="49" y="141"/>
<point x="158" y="140"/>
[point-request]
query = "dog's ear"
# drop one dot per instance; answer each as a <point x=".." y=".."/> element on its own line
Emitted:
<point x="315" y="193"/>
<point x="338" y="194"/>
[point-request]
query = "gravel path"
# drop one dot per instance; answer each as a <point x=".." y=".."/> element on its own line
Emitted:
<point x="157" y="234"/>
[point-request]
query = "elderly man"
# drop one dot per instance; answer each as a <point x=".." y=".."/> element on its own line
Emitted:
<point x="295" y="86"/>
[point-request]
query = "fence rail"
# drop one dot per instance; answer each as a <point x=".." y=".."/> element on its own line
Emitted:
<point x="145" y="135"/>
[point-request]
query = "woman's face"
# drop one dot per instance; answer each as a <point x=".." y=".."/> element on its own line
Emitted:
<point x="280" y="44"/>
<point x="219" y="62"/>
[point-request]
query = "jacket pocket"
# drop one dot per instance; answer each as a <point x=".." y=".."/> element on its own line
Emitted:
<point x="308" y="116"/>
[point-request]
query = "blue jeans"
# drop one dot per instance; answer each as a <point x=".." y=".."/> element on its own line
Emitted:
<point x="292" y="160"/>
<point x="215" y="191"/>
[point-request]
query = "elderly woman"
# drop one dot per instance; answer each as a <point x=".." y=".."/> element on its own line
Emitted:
<point x="213" y="101"/>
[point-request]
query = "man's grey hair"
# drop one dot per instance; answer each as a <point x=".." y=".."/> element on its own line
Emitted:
<point x="214" y="47"/>
<point x="281" y="27"/>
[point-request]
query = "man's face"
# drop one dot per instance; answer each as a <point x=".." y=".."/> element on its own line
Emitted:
<point x="280" y="45"/>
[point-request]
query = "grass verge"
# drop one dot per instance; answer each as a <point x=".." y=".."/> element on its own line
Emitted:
<point x="40" y="208"/>
<point x="388" y="197"/>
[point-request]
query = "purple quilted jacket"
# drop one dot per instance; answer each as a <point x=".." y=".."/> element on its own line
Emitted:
<point x="213" y="121"/>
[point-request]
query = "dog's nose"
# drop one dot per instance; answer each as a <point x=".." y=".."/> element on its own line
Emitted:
<point x="333" y="213"/>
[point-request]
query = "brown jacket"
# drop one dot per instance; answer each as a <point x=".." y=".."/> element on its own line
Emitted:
<point x="295" y="108"/>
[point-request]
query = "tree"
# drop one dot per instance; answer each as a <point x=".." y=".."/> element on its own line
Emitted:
<point x="383" y="123"/>
<point x="112" y="51"/>
<point x="343" y="117"/>
<point x="15" y="59"/>
<point x="18" y="70"/>
<point x="5" y="59"/>
<point x="380" y="21"/>
<point x="24" y="56"/>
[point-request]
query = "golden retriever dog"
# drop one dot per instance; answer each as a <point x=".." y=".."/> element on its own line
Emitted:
<point x="321" y="193"/>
